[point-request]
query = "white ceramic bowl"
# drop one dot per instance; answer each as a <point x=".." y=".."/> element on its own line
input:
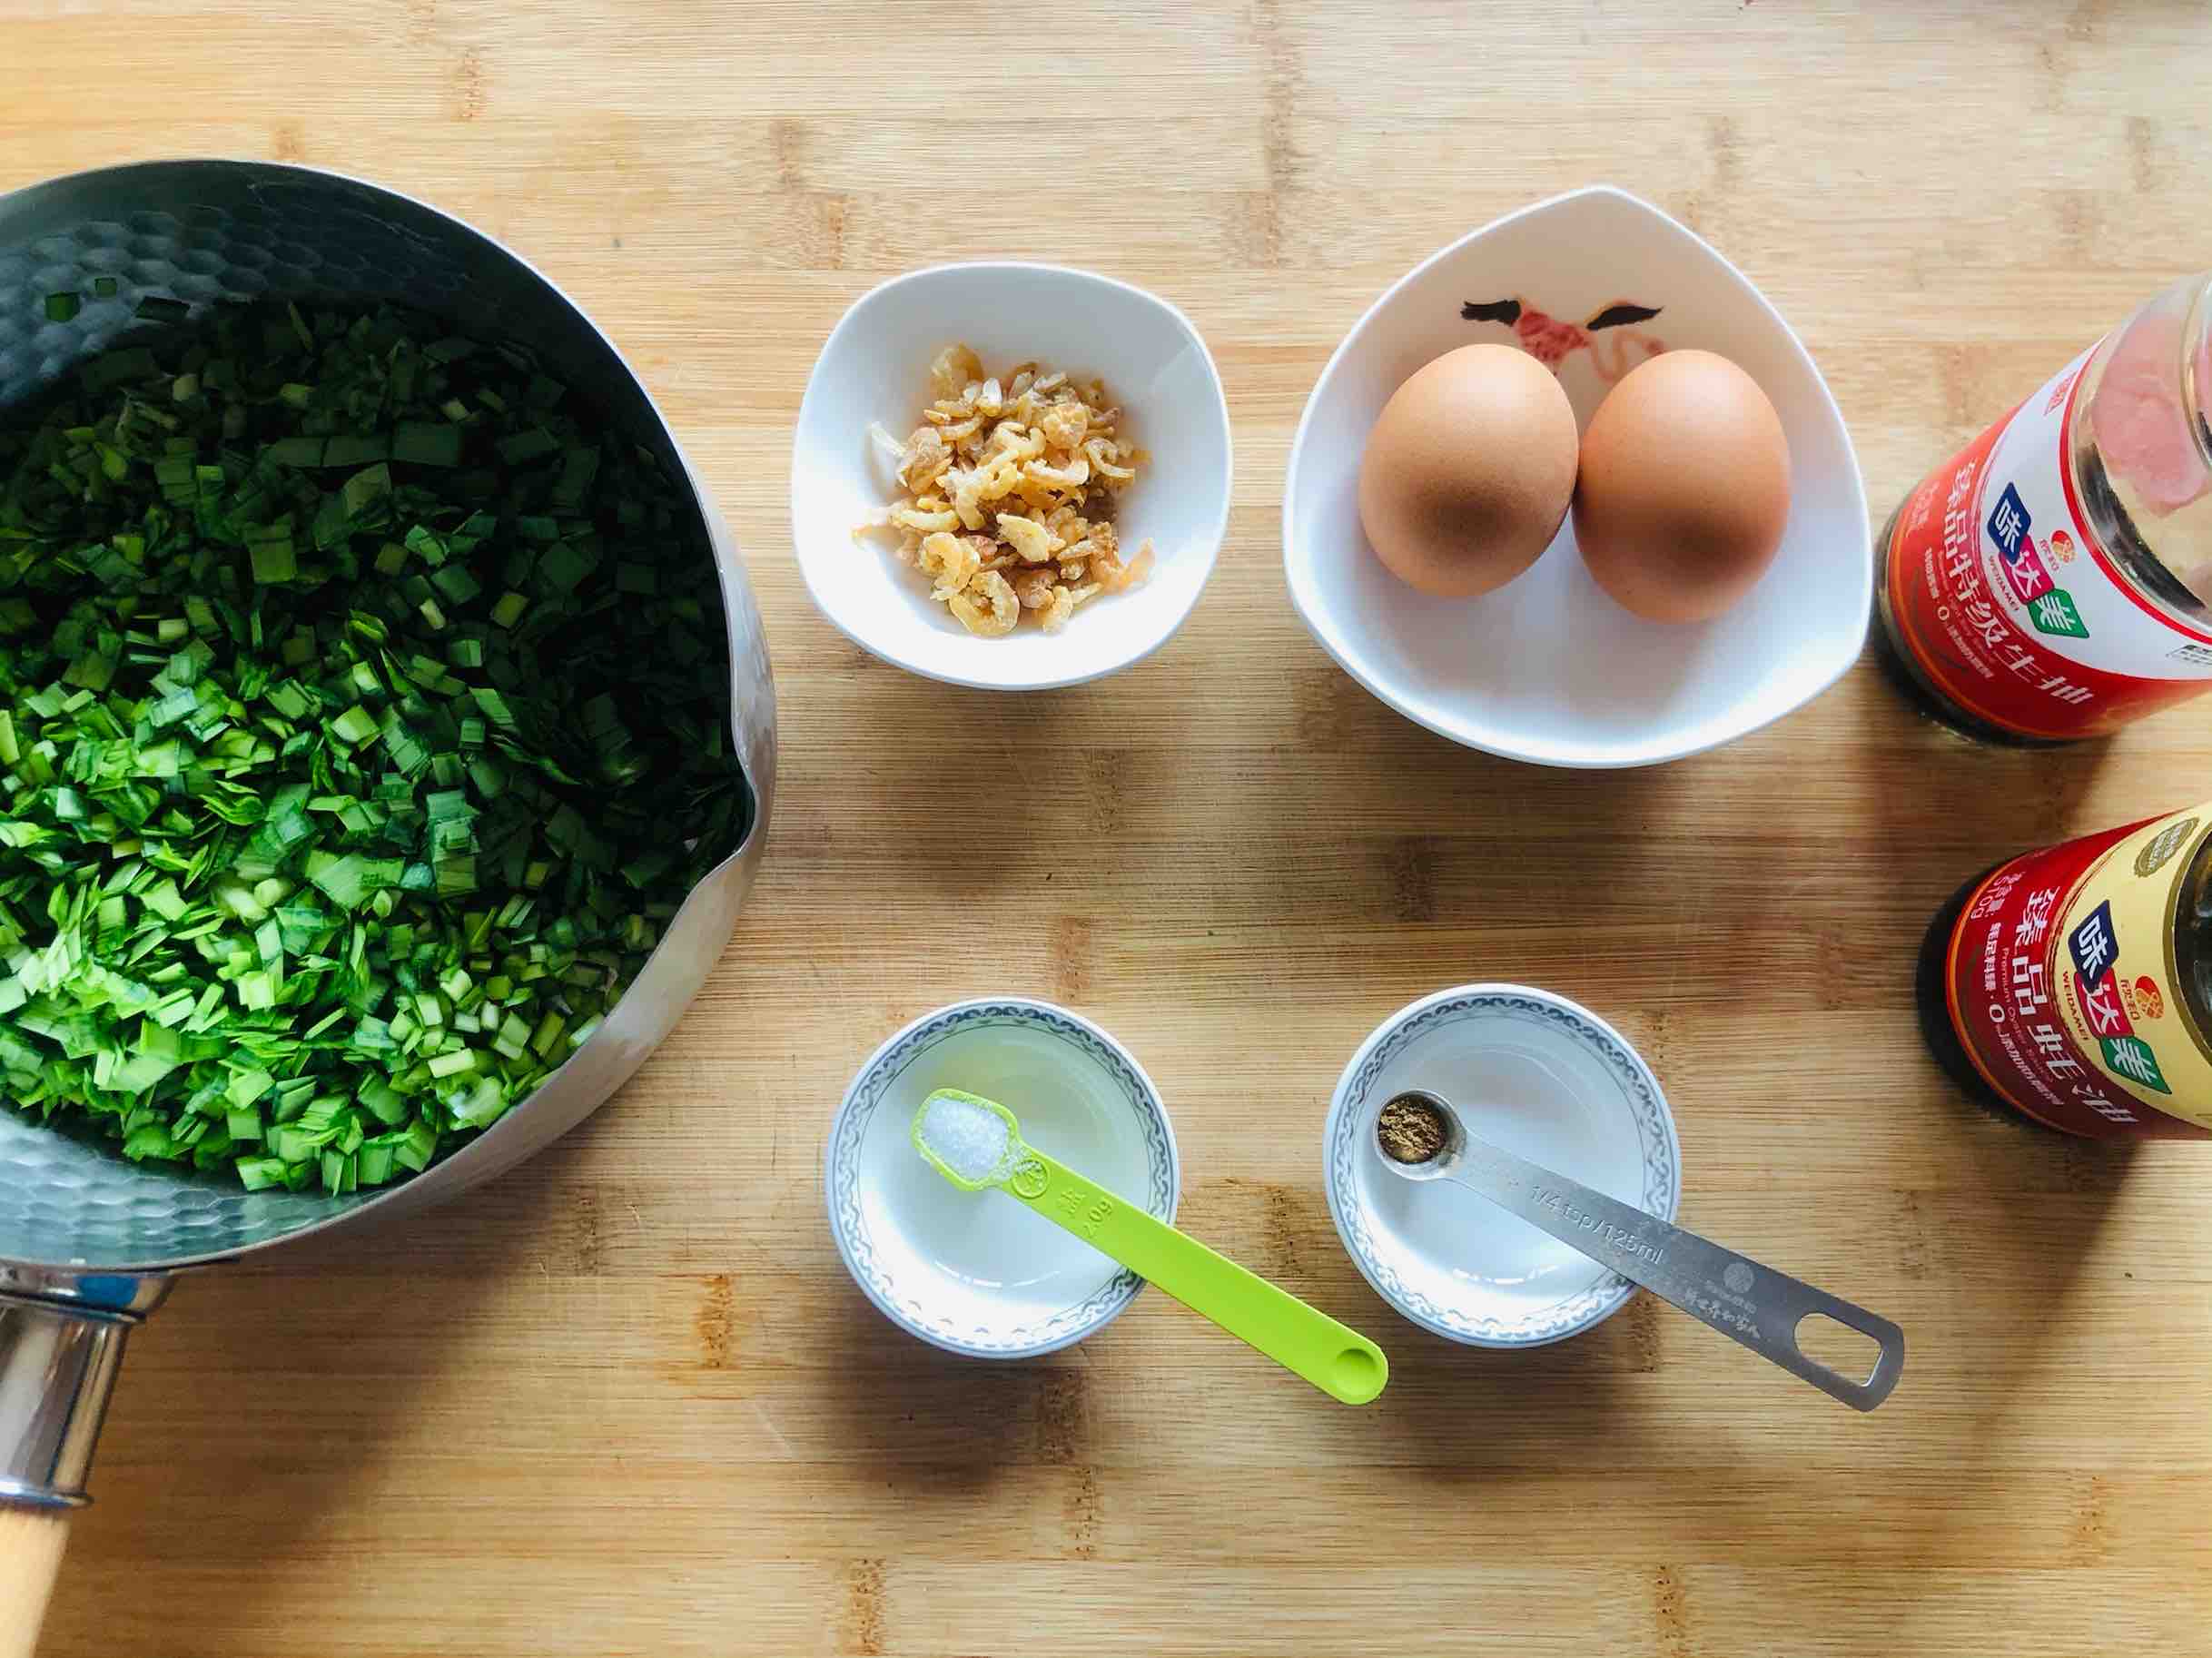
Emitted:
<point x="976" y="1272"/>
<point x="1537" y="1074"/>
<point x="1548" y="668"/>
<point x="876" y="367"/>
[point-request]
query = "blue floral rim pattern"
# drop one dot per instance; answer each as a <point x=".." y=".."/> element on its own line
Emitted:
<point x="850" y="1129"/>
<point x="1661" y="1178"/>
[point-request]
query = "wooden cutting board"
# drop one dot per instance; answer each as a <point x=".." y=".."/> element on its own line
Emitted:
<point x="626" y="1402"/>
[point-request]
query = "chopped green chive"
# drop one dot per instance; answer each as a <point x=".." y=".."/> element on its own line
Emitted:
<point x="316" y="856"/>
<point x="356" y="725"/>
<point x="427" y="443"/>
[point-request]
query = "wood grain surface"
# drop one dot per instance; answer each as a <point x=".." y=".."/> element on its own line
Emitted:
<point x="30" y="1544"/>
<point x="626" y="1401"/>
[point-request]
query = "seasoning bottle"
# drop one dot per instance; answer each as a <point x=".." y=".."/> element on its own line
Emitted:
<point x="2053" y="580"/>
<point x="2074" y="984"/>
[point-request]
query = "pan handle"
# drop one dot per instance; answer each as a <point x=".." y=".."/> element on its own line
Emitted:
<point x="58" y="1361"/>
<point x="30" y="1543"/>
<point x="61" y="1344"/>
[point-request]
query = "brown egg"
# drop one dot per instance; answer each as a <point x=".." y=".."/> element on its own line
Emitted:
<point x="1684" y="488"/>
<point x="1468" y="471"/>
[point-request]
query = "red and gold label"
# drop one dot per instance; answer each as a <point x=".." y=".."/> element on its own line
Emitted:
<point x="2062" y="985"/>
<point x="2007" y="604"/>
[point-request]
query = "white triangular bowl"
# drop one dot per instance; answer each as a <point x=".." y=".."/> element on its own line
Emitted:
<point x="1547" y="668"/>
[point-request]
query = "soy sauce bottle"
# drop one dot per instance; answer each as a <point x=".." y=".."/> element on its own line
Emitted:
<point x="2053" y="580"/>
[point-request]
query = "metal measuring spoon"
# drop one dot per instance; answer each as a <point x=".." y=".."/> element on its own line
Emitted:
<point x="1747" y="1302"/>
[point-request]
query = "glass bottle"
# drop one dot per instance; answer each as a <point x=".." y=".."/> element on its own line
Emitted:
<point x="2073" y="985"/>
<point x="2053" y="581"/>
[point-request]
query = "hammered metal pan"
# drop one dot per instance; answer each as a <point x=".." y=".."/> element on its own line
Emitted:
<point x="88" y="1242"/>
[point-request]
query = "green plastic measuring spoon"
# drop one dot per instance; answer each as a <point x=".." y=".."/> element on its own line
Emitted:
<point x="976" y="1144"/>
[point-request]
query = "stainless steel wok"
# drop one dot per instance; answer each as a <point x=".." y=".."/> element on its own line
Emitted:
<point x="88" y="1242"/>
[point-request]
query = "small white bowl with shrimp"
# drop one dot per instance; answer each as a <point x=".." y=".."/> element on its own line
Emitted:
<point x="875" y="373"/>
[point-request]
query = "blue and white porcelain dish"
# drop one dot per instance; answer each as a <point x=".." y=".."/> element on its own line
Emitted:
<point x="1537" y="1074"/>
<point x="976" y="1273"/>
